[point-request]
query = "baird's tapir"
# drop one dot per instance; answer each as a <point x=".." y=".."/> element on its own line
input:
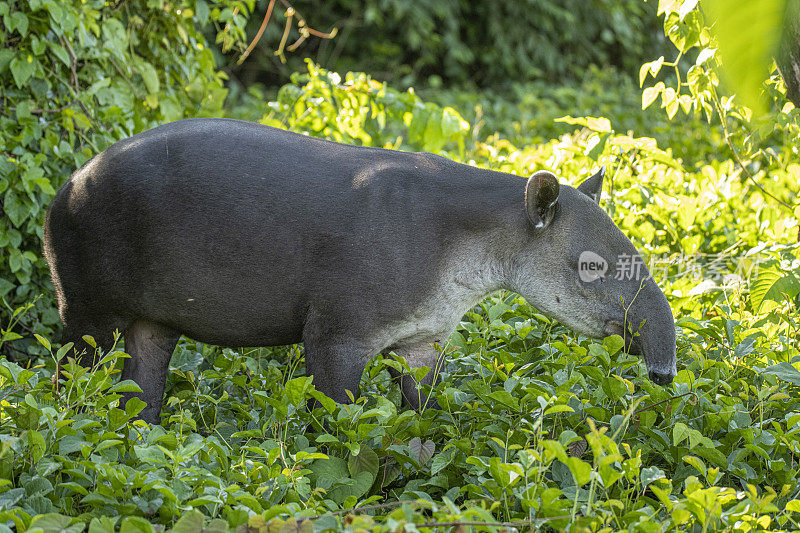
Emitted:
<point x="238" y="234"/>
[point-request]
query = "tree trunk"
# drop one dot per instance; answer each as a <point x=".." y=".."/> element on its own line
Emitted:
<point x="788" y="59"/>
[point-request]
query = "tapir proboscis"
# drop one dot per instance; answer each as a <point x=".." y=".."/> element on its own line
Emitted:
<point x="239" y="234"/>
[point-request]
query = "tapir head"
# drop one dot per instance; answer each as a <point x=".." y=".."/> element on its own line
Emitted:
<point x="579" y="268"/>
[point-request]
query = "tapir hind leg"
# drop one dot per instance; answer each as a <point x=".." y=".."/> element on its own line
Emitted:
<point x="417" y="356"/>
<point x="150" y="347"/>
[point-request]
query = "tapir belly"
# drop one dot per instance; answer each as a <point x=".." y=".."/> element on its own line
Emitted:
<point x="246" y="313"/>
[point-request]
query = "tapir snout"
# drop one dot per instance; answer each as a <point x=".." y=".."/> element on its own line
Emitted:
<point x="652" y="333"/>
<point x="239" y="234"/>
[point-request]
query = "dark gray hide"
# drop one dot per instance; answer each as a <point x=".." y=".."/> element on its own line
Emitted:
<point x="238" y="234"/>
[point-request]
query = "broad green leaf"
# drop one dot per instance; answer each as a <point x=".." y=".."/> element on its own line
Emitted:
<point x="135" y="524"/>
<point x="695" y="462"/>
<point x="125" y="386"/>
<point x="442" y="460"/>
<point x="201" y="11"/>
<point x="784" y="371"/>
<point x="36" y="445"/>
<point x="581" y="470"/>
<point x="505" y="398"/>
<point x="365" y="461"/>
<point x="55" y="523"/>
<point x="614" y="387"/>
<point x="9" y="498"/>
<point x="103" y="524"/>
<point x="149" y="76"/>
<point x="559" y="408"/>
<point x="296" y="389"/>
<point x="16" y="210"/>
<point x="190" y="522"/>
<point x="134" y="405"/>
<point x="328" y="471"/>
<point x="650" y="474"/>
<point x="773" y="284"/>
<point x="22" y="68"/>
<point x="680" y="432"/>
<point x="18" y="21"/>
<point x="613" y="344"/>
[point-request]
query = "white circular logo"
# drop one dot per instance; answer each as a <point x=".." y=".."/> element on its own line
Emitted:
<point x="591" y="266"/>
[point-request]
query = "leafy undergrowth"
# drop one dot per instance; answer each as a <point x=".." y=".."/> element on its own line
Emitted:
<point x="538" y="429"/>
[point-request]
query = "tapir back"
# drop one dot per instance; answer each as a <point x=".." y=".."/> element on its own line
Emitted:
<point x="227" y="230"/>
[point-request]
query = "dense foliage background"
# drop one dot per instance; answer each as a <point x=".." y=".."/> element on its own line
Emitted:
<point x="481" y="43"/>
<point x="540" y="428"/>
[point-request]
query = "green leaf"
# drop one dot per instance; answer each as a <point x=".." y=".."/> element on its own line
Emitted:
<point x="135" y="524"/>
<point x="442" y="460"/>
<point x="17" y="211"/>
<point x="6" y="55"/>
<point x="613" y="344"/>
<point x="201" y="11"/>
<point x="44" y="342"/>
<point x="36" y="445"/>
<point x="18" y="21"/>
<point x="747" y="55"/>
<point x="365" y="461"/>
<point x="712" y="455"/>
<point x="614" y="387"/>
<point x="22" y="68"/>
<point x="149" y="76"/>
<point x="784" y="371"/>
<point x="559" y="408"/>
<point x="581" y="470"/>
<point x="55" y="523"/>
<point x="190" y="522"/>
<point x="505" y="398"/>
<point x="150" y="454"/>
<point x="774" y="285"/>
<point x="296" y="389"/>
<point x="329" y="471"/>
<point x="9" y="498"/>
<point x="695" y="462"/>
<point x="680" y="432"/>
<point x="103" y="524"/>
<point x="327" y="403"/>
<point x="125" y="386"/>
<point x="650" y="474"/>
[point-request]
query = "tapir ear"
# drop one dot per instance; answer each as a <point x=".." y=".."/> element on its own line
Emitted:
<point x="593" y="186"/>
<point x="541" y="195"/>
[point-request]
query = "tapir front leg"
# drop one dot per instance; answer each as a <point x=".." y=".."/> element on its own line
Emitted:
<point x="150" y="347"/>
<point x="419" y="355"/>
<point x="335" y="357"/>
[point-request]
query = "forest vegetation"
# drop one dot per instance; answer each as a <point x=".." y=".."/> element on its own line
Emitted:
<point x="691" y="107"/>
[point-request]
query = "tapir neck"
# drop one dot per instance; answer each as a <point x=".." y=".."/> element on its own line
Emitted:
<point x="487" y="229"/>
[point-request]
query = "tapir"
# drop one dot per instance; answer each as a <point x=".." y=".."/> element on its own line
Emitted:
<point x="239" y="234"/>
